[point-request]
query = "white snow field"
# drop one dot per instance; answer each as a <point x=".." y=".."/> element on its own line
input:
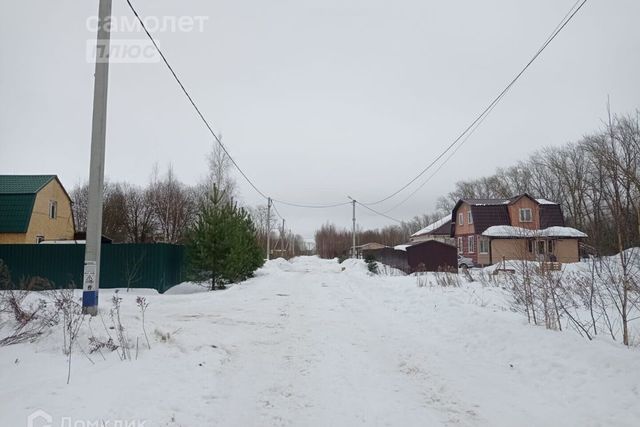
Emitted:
<point x="315" y="343"/>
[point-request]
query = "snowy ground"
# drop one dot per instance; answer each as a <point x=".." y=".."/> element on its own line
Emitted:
<point x="307" y="343"/>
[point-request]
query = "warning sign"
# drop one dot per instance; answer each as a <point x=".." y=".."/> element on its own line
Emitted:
<point x="89" y="281"/>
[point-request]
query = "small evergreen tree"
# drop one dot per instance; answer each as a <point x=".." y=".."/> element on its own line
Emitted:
<point x="222" y="245"/>
<point x="372" y="265"/>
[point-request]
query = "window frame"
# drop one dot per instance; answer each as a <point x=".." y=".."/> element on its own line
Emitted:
<point x="460" y="245"/>
<point x="461" y="218"/>
<point x="469" y="217"/>
<point x="481" y="241"/>
<point x="523" y="210"/>
<point x="471" y="244"/>
<point x="53" y="209"/>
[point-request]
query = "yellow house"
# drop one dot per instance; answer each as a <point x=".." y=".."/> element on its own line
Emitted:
<point x="34" y="208"/>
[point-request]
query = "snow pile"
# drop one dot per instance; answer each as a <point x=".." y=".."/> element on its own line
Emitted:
<point x="511" y="231"/>
<point x="187" y="288"/>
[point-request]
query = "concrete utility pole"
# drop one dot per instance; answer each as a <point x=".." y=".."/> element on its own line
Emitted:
<point x="91" y="278"/>
<point x="282" y="239"/>
<point x="353" y="246"/>
<point x="268" y="228"/>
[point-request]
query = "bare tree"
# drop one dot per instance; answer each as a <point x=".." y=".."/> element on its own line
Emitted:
<point x="173" y="205"/>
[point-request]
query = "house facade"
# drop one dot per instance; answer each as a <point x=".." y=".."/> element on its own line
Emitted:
<point x="439" y="231"/>
<point x="34" y="208"/>
<point x="522" y="227"/>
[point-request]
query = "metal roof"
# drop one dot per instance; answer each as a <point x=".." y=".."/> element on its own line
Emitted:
<point x="15" y="212"/>
<point x="23" y="184"/>
<point x="17" y="196"/>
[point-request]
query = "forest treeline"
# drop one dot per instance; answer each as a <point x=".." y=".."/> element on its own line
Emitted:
<point x="165" y="209"/>
<point x="595" y="179"/>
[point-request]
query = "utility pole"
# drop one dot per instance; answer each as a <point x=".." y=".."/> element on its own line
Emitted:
<point x="91" y="277"/>
<point x="282" y="238"/>
<point x="353" y="246"/>
<point x="293" y="244"/>
<point x="268" y="228"/>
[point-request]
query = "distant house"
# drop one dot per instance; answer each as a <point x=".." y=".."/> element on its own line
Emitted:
<point x="522" y="227"/>
<point x="34" y="208"/>
<point x="439" y="231"/>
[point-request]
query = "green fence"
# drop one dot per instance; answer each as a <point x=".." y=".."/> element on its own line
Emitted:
<point x="158" y="265"/>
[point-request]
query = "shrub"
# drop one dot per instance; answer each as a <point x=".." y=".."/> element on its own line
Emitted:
<point x="222" y="245"/>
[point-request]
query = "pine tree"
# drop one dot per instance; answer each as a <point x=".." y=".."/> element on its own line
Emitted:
<point x="222" y="245"/>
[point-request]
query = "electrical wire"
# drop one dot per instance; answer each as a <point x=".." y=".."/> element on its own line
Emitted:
<point x="204" y="120"/>
<point x="276" y="210"/>
<point x="310" y="206"/>
<point x="567" y="18"/>
<point x="378" y="213"/>
<point x="468" y="131"/>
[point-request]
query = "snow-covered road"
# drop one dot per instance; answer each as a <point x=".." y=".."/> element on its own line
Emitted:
<point x="315" y="343"/>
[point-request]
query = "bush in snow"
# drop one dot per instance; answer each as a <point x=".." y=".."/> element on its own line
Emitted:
<point x="222" y="245"/>
<point x="372" y="265"/>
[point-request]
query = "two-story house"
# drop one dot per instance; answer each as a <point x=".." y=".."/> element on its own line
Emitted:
<point x="522" y="227"/>
<point x="34" y="208"/>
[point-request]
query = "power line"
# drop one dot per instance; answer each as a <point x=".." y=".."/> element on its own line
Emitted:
<point x="276" y="209"/>
<point x="204" y="120"/>
<point x="568" y="17"/>
<point x="311" y="206"/>
<point x="378" y="213"/>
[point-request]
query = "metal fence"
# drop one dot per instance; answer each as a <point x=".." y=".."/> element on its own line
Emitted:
<point x="158" y="265"/>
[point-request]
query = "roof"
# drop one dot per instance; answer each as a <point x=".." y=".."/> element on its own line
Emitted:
<point x="484" y="216"/>
<point x="494" y="212"/>
<point x="507" y="231"/>
<point x="371" y="246"/>
<point x="15" y="212"/>
<point x="23" y="184"/>
<point x="441" y="226"/>
<point x="17" y="196"/>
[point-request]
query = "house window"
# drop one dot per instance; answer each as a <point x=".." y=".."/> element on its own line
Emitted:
<point x="461" y="218"/>
<point x="460" y="248"/>
<point x="53" y="209"/>
<point x="469" y="218"/>
<point x="39" y="239"/>
<point x="525" y="215"/>
<point x="541" y="247"/>
<point x="530" y="245"/>
<point x="484" y="245"/>
<point x="471" y="242"/>
<point x="550" y="246"/>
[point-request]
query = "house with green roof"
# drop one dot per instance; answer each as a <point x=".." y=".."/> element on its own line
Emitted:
<point x="34" y="208"/>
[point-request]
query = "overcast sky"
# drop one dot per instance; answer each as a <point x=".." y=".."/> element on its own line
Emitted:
<point x="316" y="100"/>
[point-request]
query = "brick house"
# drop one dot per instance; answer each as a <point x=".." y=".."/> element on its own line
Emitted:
<point x="34" y="208"/>
<point x="521" y="227"/>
